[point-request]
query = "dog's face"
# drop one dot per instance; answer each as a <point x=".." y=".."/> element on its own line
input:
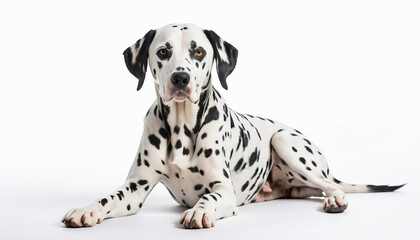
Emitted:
<point x="181" y="59"/>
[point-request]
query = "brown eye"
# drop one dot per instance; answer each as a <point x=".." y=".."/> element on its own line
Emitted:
<point x="198" y="53"/>
<point x="163" y="52"/>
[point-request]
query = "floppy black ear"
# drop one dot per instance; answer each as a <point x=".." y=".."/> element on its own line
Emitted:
<point x="225" y="55"/>
<point x="136" y="57"/>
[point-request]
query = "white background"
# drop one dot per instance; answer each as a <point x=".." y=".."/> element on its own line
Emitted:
<point x="345" y="73"/>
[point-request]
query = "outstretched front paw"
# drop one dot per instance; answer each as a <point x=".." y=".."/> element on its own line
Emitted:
<point x="196" y="218"/>
<point x="81" y="217"/>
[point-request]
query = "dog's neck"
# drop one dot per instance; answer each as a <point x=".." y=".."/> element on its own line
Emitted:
<point x="186" y="114"/>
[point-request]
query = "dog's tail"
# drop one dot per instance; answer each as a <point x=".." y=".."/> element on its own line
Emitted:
<point x="356" y="188"/>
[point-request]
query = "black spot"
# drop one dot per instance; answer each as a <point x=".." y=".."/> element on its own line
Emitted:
<point x="193" y="169"/>
<point x="309" y="149"/>
<point x="302" y="160"/>
<point x="291" y="174"/>
<point x="185" y="151"/>
<point x="146" y="188"/>
<point x="176" y="175"/>
<point x="207" y="152"/>
<point x="308" y="168"/>
<point x="155" y="141"/>
<point x="298" y="131"/>
<point x="225" y="173"/>
<point x="146" y="163"/>
<point x="133" y="187"/>
<point x="293" y="134"/>
<point x="199" y="152"/>
<point x="142" y="182"/>
<point x="176" y="129"/>
<point x="303" y="177"/>
<point x="337" y="181"/>
<point x="214" y="198"/>
<point x="202" y="172"/>
<point x="314" y="163"/>
<point x="187" y="131"/>
<point x="212" y="115"/>
<point x="245" y="186"/>
<point x="204" y="135"/>
<point x="319" y="153"/>
<point x="159" y="65"/>
<point x="283" y="162"/>
<point x="198" y="187"/>
<point x="213" y="183"/>
<point x="121" y="193"/>
<point x="306" y="140"/>
<point x="178" y="144"/>
<point x="254" y="157"/>
<point x="104" y="201"/>
<point x="323" y="173"/>
<point x="154" y="71"/>
<point x="196" y="64"/>
<point x="217" y="152"/>
<point x="238" y="165"/>
<point x="255" y="173"/>
<point x="294" y="149"/>
<point x="139" y="160"/>
<point x="140" y="205"/>
<point x="163" y="162"/>
<point x="158" y="172"/>
<point x="128" y="207"/>
<point x="146" y="153"/>
<point x="169" y="149"/>
<point x="163" y="133"/>
<point x="205" y="198"/>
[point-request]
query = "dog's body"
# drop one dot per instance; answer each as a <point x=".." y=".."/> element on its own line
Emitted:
<point x="210" y="158"/>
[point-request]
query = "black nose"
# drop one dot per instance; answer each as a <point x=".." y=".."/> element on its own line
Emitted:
<point x="180" y="79"/>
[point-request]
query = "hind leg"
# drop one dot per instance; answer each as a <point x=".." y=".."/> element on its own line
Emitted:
<point x="301" y="159"/>
<point x="282" y="184"/>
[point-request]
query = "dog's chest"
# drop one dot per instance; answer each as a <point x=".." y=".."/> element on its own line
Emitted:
<point x="187" y="187"/>
<point x="240" y="152"/>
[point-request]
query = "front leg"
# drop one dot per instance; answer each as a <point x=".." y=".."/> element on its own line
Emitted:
<point x="220" y="200"/>
<point x="216" y="205"/>
<point x="128" y="199"/>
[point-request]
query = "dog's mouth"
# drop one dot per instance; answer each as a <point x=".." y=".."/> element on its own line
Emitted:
<point x="179" y="95"/>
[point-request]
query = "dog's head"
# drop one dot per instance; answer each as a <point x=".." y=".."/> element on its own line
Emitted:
<point x="181" y="59"/>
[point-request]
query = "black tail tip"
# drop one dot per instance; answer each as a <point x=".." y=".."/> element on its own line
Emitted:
<point x="384" y="188"/>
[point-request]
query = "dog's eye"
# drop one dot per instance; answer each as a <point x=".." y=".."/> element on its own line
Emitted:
<point x="198" y="53"/>
<point x="163" y="52"/>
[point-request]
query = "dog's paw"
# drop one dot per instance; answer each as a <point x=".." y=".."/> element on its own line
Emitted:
<point x="196" y="218"/>
<point x="335" y="204"/>
<point x="81" y="217"/>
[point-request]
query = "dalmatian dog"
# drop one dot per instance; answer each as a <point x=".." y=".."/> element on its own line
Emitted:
<point x="210" y="158"/>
